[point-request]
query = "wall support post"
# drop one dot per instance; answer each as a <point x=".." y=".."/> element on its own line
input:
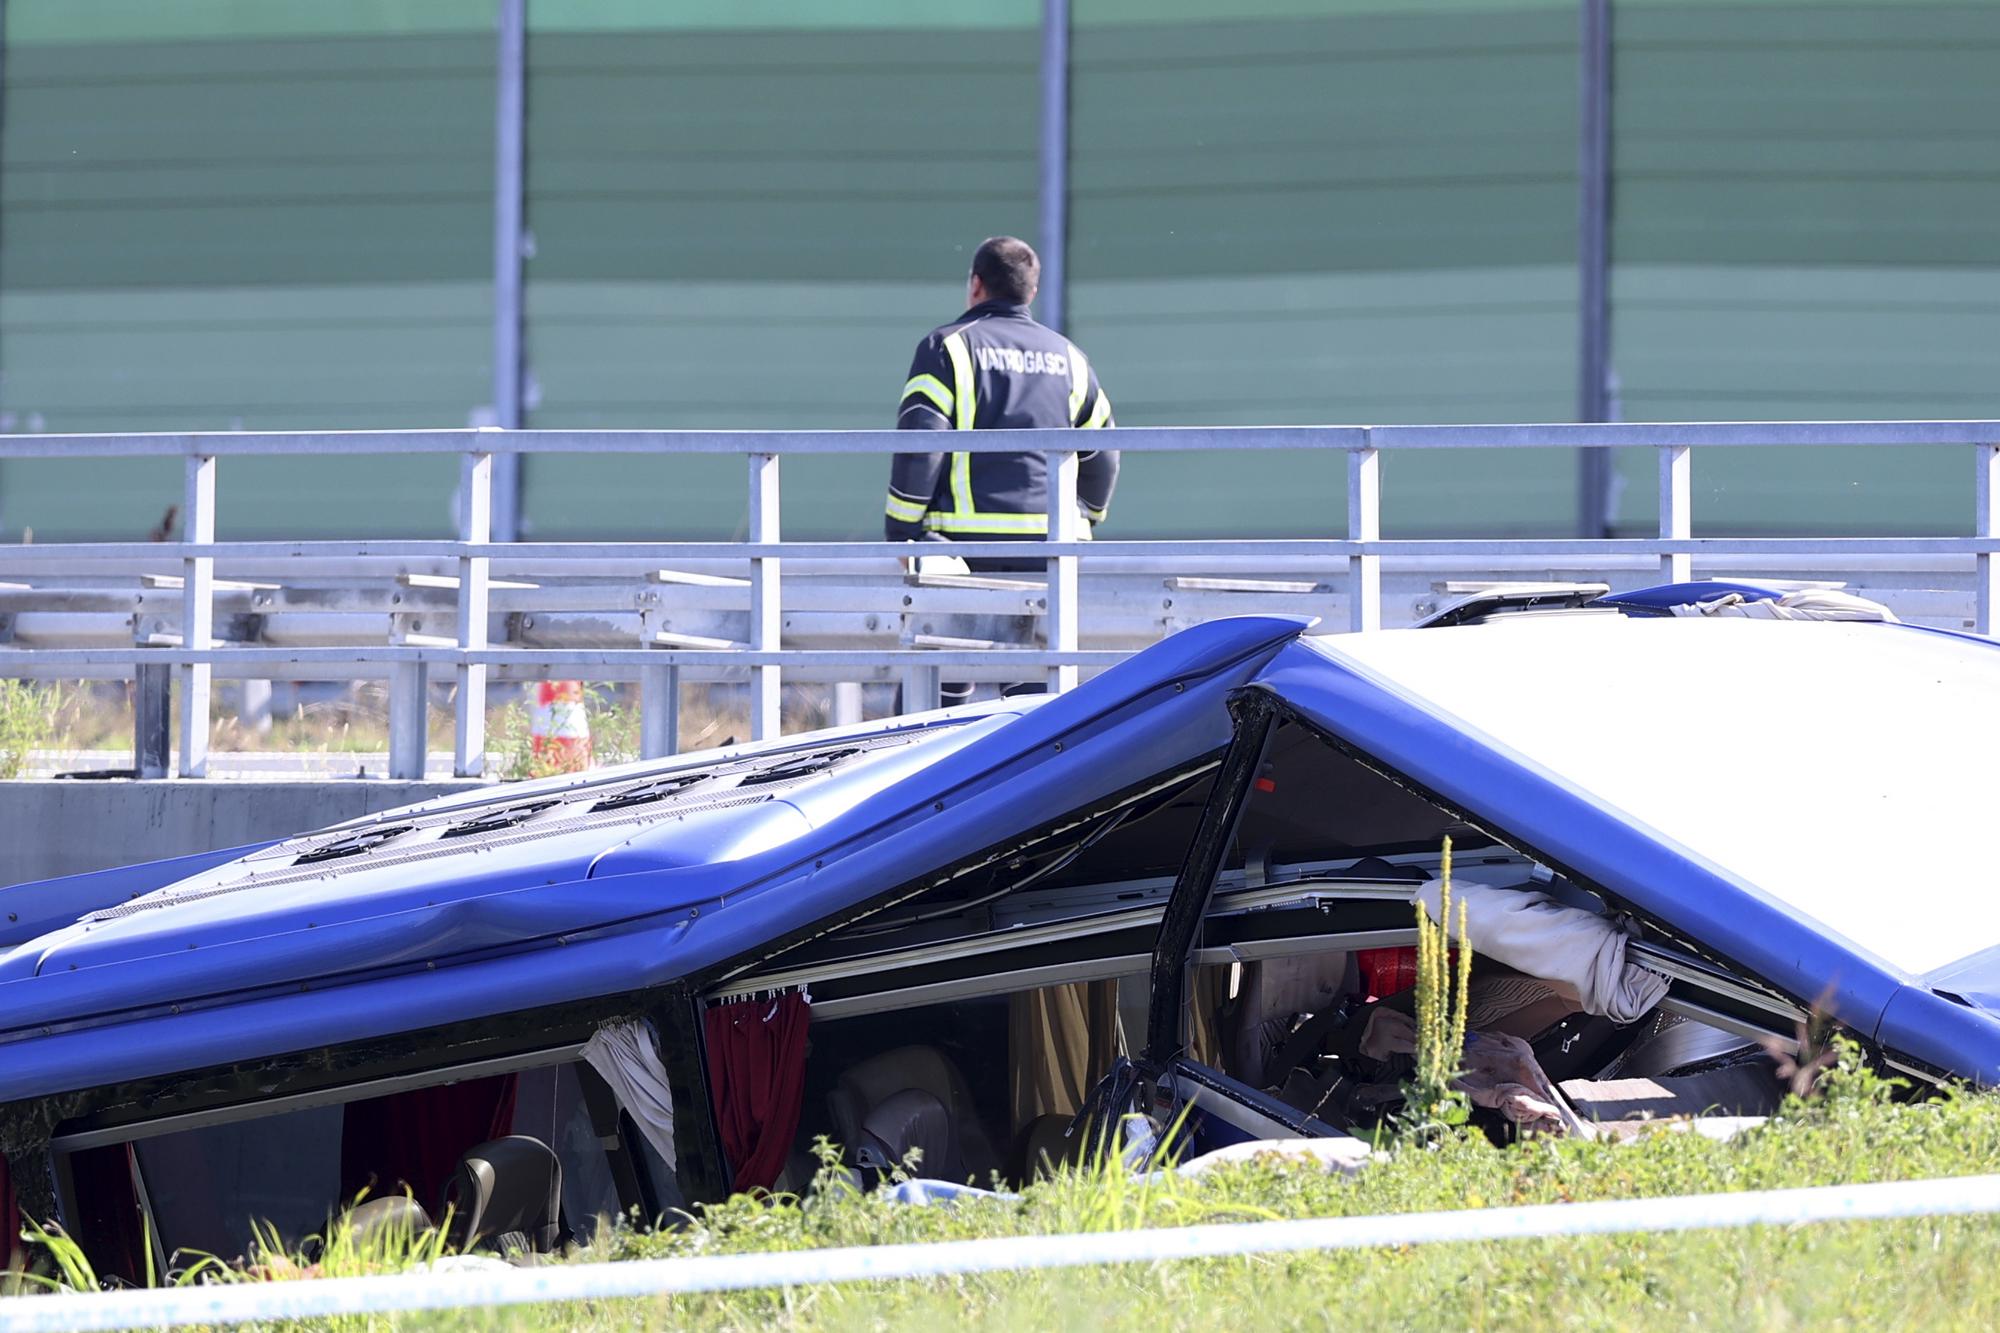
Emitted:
<point x="1593" y="263"/>
<point x="509" y="164"/>
<point x="1053" y="245"/>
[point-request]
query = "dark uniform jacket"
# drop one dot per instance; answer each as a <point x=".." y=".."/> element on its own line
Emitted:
<point x="994" y="368"/>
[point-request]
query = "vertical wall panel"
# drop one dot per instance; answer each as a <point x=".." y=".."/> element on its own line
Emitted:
<point x="227" y="217"/>
<point x="747" y="224"/>
<point x="1806" y="224"/>
<point x="216" y="215"/>
<point x="1337" y="212"/>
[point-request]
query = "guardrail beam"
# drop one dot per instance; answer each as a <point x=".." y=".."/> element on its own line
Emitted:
<point x="1131" y="439"/>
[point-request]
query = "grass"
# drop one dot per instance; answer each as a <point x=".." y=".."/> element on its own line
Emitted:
<point x="70" y="716"/>
<point x="27" y="721"/>
<point x="614" y="735"/>
<point x="1932" y="1274"/>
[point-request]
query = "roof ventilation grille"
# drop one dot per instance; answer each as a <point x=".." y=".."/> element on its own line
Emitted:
<point x="495" y="820"/>
<point x="798" y="766"/>
<point x="649" y="791"/>
<point x="353" y="845"/>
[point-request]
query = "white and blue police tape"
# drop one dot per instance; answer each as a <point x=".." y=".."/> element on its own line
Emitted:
<point x="665" y="1277"/>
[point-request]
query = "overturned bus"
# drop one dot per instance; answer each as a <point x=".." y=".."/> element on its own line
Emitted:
<point x="1184" y="890"/>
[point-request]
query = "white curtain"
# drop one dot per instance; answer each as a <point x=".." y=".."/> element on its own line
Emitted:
<point x="624" y="1055"/>
<point x="1533" y="933"/>
<point x="1799" y="604"/>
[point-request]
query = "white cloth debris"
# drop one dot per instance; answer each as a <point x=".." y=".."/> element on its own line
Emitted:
<point x="1498" y="1071"/>
<point x="1532" y="933"/>
<point x="1344" y="1155"/>
<point x="942" y="566"/>
<point x="1799" y="604"/>
<point x="624" y="1055"/>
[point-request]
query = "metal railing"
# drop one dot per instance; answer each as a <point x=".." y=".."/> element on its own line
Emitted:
<point x="470" y="657"/>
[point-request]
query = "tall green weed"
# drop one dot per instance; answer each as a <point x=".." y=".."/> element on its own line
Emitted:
<point x="27" y="722"/>
<point x="1432" y="1107"/>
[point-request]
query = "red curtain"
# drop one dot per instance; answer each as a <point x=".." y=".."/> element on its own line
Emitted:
<point x="10" y="1218"/>
<point x="415" y="1138"/>
<point x="107" y="1225"/>
<point x="757" y="1075"/>
<point x="1386" y="972"/>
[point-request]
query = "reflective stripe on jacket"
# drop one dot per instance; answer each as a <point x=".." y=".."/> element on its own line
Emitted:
<point x="994" y="368"/>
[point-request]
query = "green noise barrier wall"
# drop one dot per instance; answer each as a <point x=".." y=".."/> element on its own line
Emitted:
<point x="220" y="216"/>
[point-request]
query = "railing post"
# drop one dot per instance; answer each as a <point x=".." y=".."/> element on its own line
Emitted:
<point x="254" y="711"/>
<point x="922" y="686"/>
<point x="1364" y="524"/>
<point x="152" y="719"/>
<point x="1065" y="520"/>
<point x="1676" y="510"/>
<point x="659" y="711"/>
<point x="475" y="484"/>
<point x="766" y="609"/>
<point x="197" y="612"/>
<point x="409" y="720"/>
<point x="1986" y="523"/>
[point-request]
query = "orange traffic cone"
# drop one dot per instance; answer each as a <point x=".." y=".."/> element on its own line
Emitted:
<point x="560" y="730"/>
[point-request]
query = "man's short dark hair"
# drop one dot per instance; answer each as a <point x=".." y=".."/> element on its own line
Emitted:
<point x="1008" y="268"/>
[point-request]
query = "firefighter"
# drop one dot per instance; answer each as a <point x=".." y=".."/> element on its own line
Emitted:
<point x="994" y="368"/>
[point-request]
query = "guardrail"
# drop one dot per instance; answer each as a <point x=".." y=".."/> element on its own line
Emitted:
<point x="469" y="655"/>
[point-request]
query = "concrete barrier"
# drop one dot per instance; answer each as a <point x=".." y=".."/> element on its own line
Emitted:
<point x="66" y="827"/>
